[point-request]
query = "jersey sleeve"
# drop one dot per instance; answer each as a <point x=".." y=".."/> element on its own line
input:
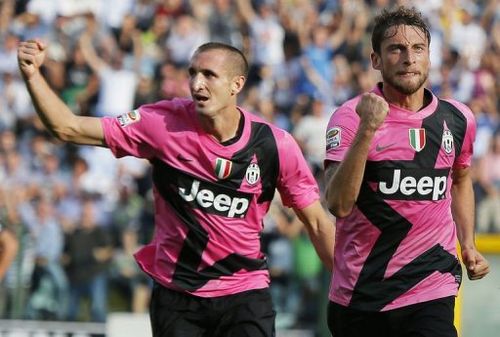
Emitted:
<point x="464" y="159"/>
<point x="296" y="183"/>
<point x="340" y="133"/>
<point x="132" y="133"/>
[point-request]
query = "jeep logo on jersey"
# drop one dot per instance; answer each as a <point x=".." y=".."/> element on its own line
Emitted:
<point x="216" y="199"/>
<point x="413" y="184"/>
<point x="253" y="174"/>
<point x="447" y="142"/>
<point x="417" y="139"/>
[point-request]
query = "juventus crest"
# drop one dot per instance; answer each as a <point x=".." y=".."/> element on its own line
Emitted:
<point x="447" y="142"/>
<point x="252" y="174"/>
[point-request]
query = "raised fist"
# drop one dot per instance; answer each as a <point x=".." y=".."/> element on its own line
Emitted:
<point x="372" y="110"/>
<point x="30" y="57"/>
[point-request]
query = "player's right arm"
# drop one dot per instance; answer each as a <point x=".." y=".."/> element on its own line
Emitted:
<point x="55" y="115"/>
<point x="343" y="179"/>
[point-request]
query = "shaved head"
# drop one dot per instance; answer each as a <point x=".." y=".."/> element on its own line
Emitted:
<point x="238" y="63"/>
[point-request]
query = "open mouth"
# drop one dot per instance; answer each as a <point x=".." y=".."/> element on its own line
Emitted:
<point x="200" y="98"/>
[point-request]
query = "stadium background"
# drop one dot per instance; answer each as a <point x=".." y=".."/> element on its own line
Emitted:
<point x="306" y="56"/>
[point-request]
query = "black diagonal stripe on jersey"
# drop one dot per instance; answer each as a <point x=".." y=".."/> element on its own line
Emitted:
<point x="372" y="291"/>
<point x="227" y="266"/>
<point x="262" y="144"/>
<point x="268" y="159"/>
<point x="433" y="125"/>
<point x="457" y="123"/>
<point x="187" y="276"/>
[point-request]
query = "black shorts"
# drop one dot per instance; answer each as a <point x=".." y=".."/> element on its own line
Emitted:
<point x="247" y="314"/>
<point x="427" y="319"/>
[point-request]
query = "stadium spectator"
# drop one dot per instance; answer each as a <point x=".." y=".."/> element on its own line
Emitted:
<point x="116" y="79"/>
<point x="488" y="212"/>
<point x="14" y="198"/>
<point x="185" y="36"/>
<point x="87" y="255"/>
<point x="310" y="133"/>
<point x="265" y="33"/>
<point x="223" y="25"/>
<point x="49" y="295"/>
<point x="127" y="277"/>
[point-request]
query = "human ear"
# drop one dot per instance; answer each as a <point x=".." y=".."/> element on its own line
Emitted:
<point x="237" y="84"/>
<point x="376" y="61"/>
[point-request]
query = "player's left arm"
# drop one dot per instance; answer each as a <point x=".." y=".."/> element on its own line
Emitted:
<point x="8" y="250"/>
<point x="297" y="188"/>
<point x="321" y="230"/>
<point x="462" y="207"/>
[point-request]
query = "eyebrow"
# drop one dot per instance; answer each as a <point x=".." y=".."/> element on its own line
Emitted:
<point x="402" y="45"/>
<point x="204" y="71"/>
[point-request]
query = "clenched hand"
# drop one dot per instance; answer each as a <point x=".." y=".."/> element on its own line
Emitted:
<point x="30" y="57"/>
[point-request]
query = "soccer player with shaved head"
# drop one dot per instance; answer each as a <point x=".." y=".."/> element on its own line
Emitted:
<point x="215" y="171"/>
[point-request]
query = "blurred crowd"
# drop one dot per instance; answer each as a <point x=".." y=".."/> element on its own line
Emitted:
<point x="79" y="214"/>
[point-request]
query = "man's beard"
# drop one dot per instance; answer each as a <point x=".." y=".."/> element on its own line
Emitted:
<point x="406" y="89"/>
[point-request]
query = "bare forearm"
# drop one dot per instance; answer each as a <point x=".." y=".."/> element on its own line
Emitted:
<point x="321" y="231"/>
<point x="323" y="240"/>
<point x="246" y="10"/>
<point x="58" y="118"/>
<point x="89" y="53"/>
<point x="344" y="180"/>
<point x="54" y="114"/>
<point x="462" y="207"/>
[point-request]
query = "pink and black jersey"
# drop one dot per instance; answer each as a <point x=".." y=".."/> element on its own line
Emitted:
<point x="210" y="199"/>
<point x="398" y="246"/>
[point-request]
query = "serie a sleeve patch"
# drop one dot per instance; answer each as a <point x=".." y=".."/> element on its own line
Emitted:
<point x="129" y="118"/>
<point x="333" y="138"/>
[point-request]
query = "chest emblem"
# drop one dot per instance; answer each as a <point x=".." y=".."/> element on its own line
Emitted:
<point x="447" y="142"/>
<point x="223" y="168"/>
<point x="417" y="139"/>
<point x="252" y="174"/>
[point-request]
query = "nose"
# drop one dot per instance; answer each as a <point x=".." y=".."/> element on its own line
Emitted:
<point x="197" y="81"/>
<point x="409" y="57"/>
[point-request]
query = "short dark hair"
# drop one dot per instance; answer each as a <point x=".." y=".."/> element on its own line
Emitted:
<point x="397" y="17"/>
<point x="238" y="56"/>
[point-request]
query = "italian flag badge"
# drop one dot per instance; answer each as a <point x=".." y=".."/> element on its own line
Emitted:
<point x="223" y="168"/>
<point x="417" y="139"/>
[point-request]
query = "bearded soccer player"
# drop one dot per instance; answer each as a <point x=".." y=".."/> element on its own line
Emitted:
<point x="215" y="171"/>
<point x="398" y="179"/>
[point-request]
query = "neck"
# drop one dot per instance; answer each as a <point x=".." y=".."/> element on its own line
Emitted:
<point x="222" y="127"/>
<point x="413" y="102"/>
